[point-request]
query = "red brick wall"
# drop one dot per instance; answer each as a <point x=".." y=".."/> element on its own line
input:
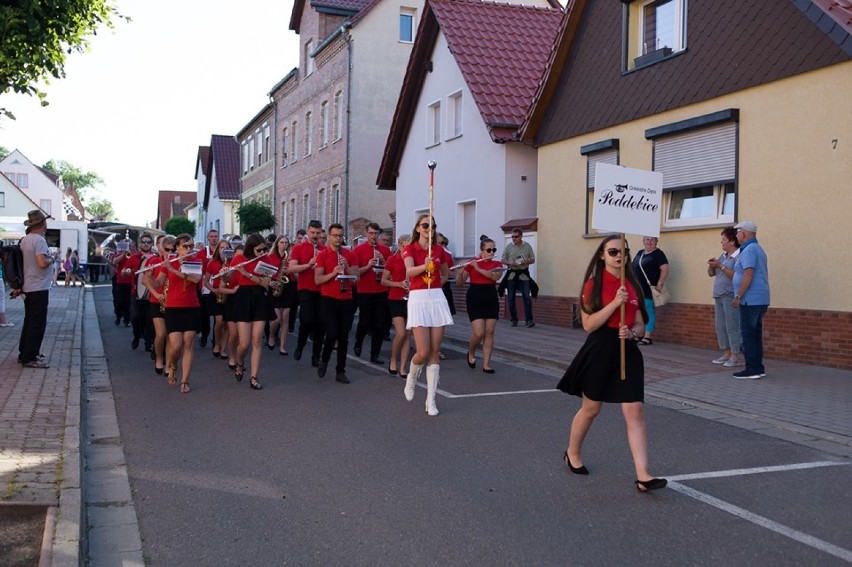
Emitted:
<point x="821" y="338"/>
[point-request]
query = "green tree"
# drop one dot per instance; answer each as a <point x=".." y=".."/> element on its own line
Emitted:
<point x="4" y="151"/>
<point x="255" y="217"/>
<point x="36" y="38"/>
<point x="100" y="210"/>
<point x="70" y="173"/>
<point x="180" y="225"/>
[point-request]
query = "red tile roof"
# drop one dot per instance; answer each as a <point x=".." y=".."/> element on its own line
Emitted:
<point x="501" y="50"/>
<point x="165" y="204"/>
<point x="835" y="20"/>
<point x="225" y="159"/>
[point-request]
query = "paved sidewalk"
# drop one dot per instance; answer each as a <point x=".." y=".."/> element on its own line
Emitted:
<point x="809" y="405"/>
<point x="40" y="419"/>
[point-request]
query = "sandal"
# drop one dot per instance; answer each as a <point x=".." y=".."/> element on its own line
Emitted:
<point x="171" y="375"/>
<point x="255" y="385"/>
<point x="283" y="352"/>
<point x="646" y="341"/>
<point x="238" y="372"/>
<point x="184" y="388"/>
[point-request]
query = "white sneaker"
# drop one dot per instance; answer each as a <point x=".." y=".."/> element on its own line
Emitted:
<point x="731" y="362"/>
<point x="721" y="360"/>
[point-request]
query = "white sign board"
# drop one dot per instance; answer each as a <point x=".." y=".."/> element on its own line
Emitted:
<point x="627" y="200"/>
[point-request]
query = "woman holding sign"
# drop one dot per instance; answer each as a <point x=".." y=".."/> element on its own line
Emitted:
<point x="182" y="309"/>
<point x="595" y="374"/>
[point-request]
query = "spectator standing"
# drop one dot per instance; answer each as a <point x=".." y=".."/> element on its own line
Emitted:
<point x="652" y="270"/>
<point x="727" y="318"/>
<point x="38" y="273"/>
<point x="518" y="257"/>
<point x="751" y="297"/>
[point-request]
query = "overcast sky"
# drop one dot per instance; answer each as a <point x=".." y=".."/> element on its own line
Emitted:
<point x="135" y="108"/>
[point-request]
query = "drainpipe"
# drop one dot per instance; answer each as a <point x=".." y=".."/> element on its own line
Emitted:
<point x="274" y="152"/>
<point x="348" y="39"/>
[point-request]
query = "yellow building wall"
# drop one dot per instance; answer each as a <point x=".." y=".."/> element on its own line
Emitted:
<point x="795" y="182"/>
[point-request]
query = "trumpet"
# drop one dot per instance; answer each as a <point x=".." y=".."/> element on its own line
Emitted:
<point x="128" y="254"/>
<point x="379" y="267"/>
<point x="342" y="263"/>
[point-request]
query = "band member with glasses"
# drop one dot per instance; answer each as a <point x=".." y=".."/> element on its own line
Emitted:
<point x="205" y="253"/>
<point x="251" y="308"/>
<point x="138" y="292"/>
<point x="396" y="281"/>
<point x="337" y="307"/>
<point x="157" y="299"/>
<point x="483" y="304"/>
<point x="182" y="310"/>
<point x="303" y="260"/>
<point x="283" y="297"/>
<point x="428" y="312"/>
<point x="595" y="372"/>
<point x="372" y="295"/>
<point x="219" y="292"/>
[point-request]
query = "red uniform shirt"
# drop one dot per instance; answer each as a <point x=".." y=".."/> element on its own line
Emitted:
<point x="419" y="254"/>
<point x="396" y="267"/>
<point x="327" y="260"/>
<point x="364" y="252"/>
<point x="154" y="273"/>
<point x="182" y="293"/>
<point x="610" y="286"/>
<point x="238" y="279"/>
<point x="302" y="254"/>
<point x="448" y="257"/>
<point x="134" y="264"/>
<point x="476" y="277"/>
<point x="123" y="263"/>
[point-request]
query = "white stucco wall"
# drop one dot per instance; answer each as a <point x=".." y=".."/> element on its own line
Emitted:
<point x="39" y="186"/>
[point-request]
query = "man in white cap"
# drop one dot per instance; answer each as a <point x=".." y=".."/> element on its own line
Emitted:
<point x="751" y="297"/>
<point x="38" y="275"/>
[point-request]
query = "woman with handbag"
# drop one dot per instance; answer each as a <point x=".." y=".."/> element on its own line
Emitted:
<point x="652" y="270"/>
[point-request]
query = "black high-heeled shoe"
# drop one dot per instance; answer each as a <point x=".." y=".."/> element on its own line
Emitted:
<point x="576" y="470"/>
<point x="653" y="484"/>
<point x="238" y="372"/>
<point x="255" y="385"/>
<point x="469" y="363"/>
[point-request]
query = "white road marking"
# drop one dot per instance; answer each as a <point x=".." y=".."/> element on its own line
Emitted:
<point x="761" y="521"/>
<point x="756" y="470"/>
<point x="484" y="394"/>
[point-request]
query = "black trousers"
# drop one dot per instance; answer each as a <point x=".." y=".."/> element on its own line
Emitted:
<point x="337" y="316"/>
<point x="310" y="321"/>
<point x="204" y="315"/>
<point x="138" y="314"/>
<point x="35" y="323"/>
<point x="121" y="301"/>
<point x="373" y="317"/>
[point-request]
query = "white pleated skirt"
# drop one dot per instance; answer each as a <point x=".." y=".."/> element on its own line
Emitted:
<point x="428" y="308"/>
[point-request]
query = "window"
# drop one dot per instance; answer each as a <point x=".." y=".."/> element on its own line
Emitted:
<point x="309" y="57"/>
<point x="308" y="124"/>
<point x="454" y="118"/>
<point x="294" y="155"/>
<point x="698" y="160"/>
<point x="2" y="199"/>
<point x="321" y="206"/>
<point x="324" y="124"/>
<point x="45" y="205"/>
<point x="306" y="202"/>
<point x="338" y="115"/>
<point x="267" y="142"/>
<point x="406" y="25"/>
<point x="655" y="29"/>
<point x="605" y="151"/>
<point x="285" y="146"/>
<point x="251" y="152"/>
<point x="293" y="214"/>
<point x="285" y="225"/>
<point x="10" y="175"/>
<point x="245" y="157"/>
<point x="469" y="238"/>
<point x="259" y="147"/>
<point x="23" y="181"/>
<point x="433" y="124"/>
<point x="335" y="203"/>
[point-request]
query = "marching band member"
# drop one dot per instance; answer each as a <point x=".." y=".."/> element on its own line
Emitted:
<point x="217" y="297"/>
<point x="428" y="312"/>
<point x="138" y="291"/>
<point x="251" y="309"/>
<point x="483" y="304"/>
<point x="283" y="296"/>
<point x="123" y="283"/>
<point x="395" y="279"/>
<point x="157" y="299"/>
<point x="337" y="307"/>
<point x="182" y="311"/>
<point x="303" y="260"/>
<point x="372" y="295"/>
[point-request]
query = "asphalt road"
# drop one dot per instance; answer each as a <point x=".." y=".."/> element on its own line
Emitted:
<point x="312" y="472"/>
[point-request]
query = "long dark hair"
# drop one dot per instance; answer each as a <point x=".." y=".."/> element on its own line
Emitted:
<point x="595" y="272"/>
<point x="253" y="241"/>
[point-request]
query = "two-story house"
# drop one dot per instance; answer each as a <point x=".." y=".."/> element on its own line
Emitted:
<point x="257" y="158"/>
<point x="743" y="106"/>
<point x="217" y="173"/>
<point x="39" y="184"/>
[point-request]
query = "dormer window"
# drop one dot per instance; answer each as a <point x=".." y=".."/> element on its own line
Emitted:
<point x="656" y="29"/>
<point x="309" y="58"/>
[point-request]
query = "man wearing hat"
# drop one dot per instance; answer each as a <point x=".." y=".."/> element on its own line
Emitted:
<point x="751" y="297"/>
<point x="38" y="274"/>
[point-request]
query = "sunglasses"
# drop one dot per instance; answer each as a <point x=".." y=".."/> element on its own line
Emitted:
<point x="146" y="242"/>
<point x="169" y="250"/>
<point x="491" y="250"/>
<point x="259" y="250"/>
<point x="426" y="225"/>
<point x="613" y="252"/>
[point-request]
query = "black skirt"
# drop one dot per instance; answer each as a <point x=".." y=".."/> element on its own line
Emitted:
<point x="215" y="308"/>
<point x="154" y="310"/>
<point x="182" y="319"/>
<point x="251" y="304"/>
<point x="596" y="370"/>
<point x="482" y="302"/>
<point x="398" y="308"/>
<point x="287" y="299"/>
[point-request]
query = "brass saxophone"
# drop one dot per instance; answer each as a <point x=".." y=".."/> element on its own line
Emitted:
<point x="165" y="295"/>
<point x="281" y="276"/>
<point x="220" y="297"/>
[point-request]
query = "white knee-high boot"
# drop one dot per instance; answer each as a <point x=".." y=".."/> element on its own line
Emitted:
<point x="411" y="380"/>
<point x="432" y="376"/>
